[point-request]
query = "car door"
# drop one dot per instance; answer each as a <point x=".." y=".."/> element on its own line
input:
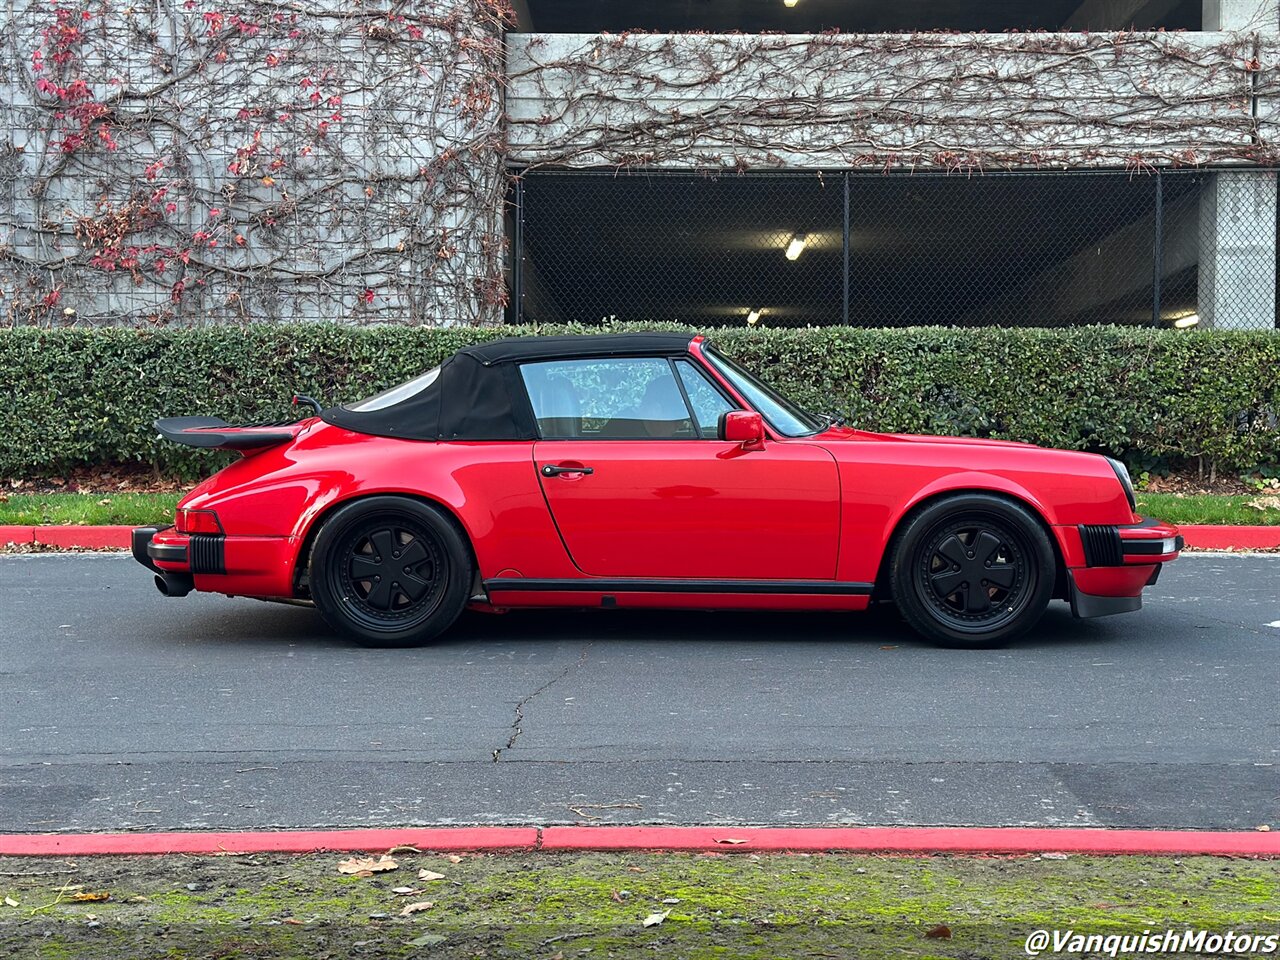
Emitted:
<point x="639" y="485"/>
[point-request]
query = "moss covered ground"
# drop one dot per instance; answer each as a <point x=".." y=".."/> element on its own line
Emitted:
<point x="594" y="905"/>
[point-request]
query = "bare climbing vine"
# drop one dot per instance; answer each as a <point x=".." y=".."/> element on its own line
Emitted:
<point x="195" y="161"/>
<point x="965" y="102"/>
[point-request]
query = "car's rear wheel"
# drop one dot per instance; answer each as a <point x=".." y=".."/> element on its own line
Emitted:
<point x="972" y="570"/>
<point x="390" y="572"/>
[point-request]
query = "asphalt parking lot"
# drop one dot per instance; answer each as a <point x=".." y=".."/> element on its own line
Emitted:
<point x="120" y="709"/>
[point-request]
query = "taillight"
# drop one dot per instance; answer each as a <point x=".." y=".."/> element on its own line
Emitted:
<point x="198" y="521"/>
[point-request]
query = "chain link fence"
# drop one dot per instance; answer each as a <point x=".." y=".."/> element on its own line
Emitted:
<point x="1170" y="248"/>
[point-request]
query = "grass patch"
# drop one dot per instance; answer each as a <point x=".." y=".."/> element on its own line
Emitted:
<point x="136" y="509"/>
<point x="94" y="509"/>
<point x="1211" y="508"/>
<point x="593" y="905"/>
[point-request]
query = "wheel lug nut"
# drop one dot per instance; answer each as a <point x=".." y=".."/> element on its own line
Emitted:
<point x="407" y="570"/>
<point x="396" y="555"/>
<point x="377" y="579"/>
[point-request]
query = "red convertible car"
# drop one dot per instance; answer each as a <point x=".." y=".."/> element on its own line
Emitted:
<point x="642" y="470"/>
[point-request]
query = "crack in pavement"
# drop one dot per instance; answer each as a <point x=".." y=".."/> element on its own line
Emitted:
<point x="517" y="724"/>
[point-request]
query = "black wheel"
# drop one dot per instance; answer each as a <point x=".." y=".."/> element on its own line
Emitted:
<point x="390" y="572"/>
<point x="972" y="570"/>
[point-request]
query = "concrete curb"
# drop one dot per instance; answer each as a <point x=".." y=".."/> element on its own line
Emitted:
<point x="1009" y="841"/>
<point x="1199" y="536"/>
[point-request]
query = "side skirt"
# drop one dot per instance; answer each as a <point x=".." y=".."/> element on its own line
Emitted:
<point x="631" y="585"/>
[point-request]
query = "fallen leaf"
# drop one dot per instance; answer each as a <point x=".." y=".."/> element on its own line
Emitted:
<point x="426" y="940"/>
<point x="940" y="932"/>
<point x="367" y="865"/>
<point x="91" y="896"/>
<point x="412" y="908"/>
<point x="104" y="503"/>
<point x="292" y="921"/>
<point x="404" y="848"/>
<point x="403" y="890"/>
<point x="636" y="869"/>
<point x="653" y="919"/>
<point x="10" y="902"/>
<point x="430" y="875"/>
<point x="890" y="646"/>
<point x="1053" y="856"/>
<point x="454" y="858"/>
<point x="732" y="840"/>
<point x="671" y="900"/>
<point x="1264" y="828"/>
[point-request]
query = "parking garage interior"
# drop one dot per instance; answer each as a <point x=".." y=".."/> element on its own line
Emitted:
<point x="870" y="249"/>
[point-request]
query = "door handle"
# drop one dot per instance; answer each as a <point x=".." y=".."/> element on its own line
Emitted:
<point x="552" y="471"/>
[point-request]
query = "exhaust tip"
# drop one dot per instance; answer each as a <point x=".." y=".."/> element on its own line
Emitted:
<point x="174" y="585"/>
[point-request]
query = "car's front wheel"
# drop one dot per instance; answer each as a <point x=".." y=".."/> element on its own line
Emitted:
<point x="972" y="570"/>
<point x="390" y="572"/>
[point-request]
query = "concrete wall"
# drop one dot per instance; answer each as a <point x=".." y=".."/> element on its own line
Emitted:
<point x="166" y="161"/>
<point x="967" y="101"/>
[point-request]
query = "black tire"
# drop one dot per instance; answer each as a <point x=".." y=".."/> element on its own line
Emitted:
<point x="972" y="571"/>
<point x="390" y="572"/>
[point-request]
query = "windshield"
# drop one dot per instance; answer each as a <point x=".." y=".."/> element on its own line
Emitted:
<point x="783" y="415"/>
<point x="395" y="394"/>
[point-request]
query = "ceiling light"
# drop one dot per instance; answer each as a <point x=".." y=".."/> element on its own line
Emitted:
<point x="753" y="317"/>
<point x="790" y="3"/>
<point x="1188" y="321"/>
<point x="796" y="246"/>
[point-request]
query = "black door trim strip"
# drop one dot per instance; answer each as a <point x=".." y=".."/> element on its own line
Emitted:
<point x="600" y="585"/>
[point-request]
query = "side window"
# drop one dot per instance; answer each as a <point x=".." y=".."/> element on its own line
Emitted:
<point x="623" y="398"/>
<point x="707" y="402"/>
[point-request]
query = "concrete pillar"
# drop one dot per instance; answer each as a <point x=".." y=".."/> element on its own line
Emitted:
<point x="1260" y="15"/>
<point x="1237" y="276"/>
<point x="1238" y="211"/>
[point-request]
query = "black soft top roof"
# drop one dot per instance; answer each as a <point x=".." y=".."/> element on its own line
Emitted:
<point x="599" y="345"/>
<point x="479" y="394"/>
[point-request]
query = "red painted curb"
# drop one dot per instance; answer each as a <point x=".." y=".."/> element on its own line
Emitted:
<point x="905" y="840"/>
<point x="284" y="841"/>
<point x="11" y="534"/>
<point x="1199" y="536"/>
<point x="1208" y="537"/>
<point x="92" y="537"/>
<point x="1008" y="840"/>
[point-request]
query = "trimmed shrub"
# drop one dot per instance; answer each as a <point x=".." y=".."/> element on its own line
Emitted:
<point x="89" y="396"/>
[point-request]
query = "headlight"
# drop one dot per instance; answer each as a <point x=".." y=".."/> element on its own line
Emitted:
<point x="1122" y="474"/>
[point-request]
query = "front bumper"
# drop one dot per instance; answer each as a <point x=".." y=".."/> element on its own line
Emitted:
<point x="1118" y="562"/>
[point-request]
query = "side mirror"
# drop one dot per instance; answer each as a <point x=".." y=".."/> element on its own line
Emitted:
<point x="742" y="426"/>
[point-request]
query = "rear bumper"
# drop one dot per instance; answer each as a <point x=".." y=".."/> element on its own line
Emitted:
<point x="245" y="566"/>
<point x="1118" y="562"/>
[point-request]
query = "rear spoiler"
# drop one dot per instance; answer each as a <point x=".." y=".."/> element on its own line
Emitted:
<point x="210" y="433"/>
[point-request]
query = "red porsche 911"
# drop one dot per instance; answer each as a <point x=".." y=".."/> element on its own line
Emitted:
<point x="643" y="470"/>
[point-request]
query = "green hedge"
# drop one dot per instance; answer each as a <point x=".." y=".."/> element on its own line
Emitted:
<point x="90" y="396"/>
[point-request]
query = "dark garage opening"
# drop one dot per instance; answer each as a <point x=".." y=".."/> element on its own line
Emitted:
<point x="1047" y="249"/>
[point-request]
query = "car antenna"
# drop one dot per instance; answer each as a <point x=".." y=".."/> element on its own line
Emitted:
<point x="303" y="398"/>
